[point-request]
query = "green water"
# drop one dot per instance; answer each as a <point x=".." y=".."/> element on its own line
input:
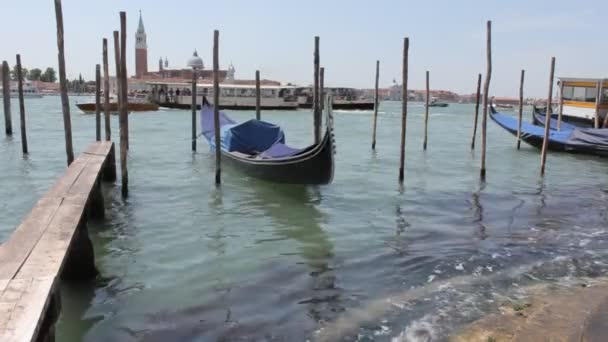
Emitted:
<point x="182" y="260"/>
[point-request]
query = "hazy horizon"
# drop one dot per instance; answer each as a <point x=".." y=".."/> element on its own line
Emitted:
<point x="278" y="38"/>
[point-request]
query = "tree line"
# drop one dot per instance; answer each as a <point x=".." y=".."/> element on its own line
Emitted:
<point x="48" y="75"/>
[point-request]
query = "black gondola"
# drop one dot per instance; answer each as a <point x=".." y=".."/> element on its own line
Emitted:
<point x="578" y="140"/>
<point x="258" y="148"/>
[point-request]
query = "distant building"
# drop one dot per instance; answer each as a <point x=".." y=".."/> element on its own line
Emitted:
<point x="141" y="63"/>
<point x="143" y="76"/>
<point x="141" y="50"/>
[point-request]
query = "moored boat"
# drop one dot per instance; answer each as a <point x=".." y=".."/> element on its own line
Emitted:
<point x="137" y="103"/>
<point x="89" y="108"/>
<point x="259" y="149"/>
<point x="578" y="140"/>
<point x="504" y="106"/>
<point x="538" y="118"/>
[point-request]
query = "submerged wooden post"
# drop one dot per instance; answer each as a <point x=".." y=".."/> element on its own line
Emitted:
<point x="426" y="112"/>
<point x="6" y="98"/>
<point x="123" y="116"/>
<point x="561" y="106"/>
<point x="193" y="106"/>
<point x="257" y="95"/>
<point x="106" y="90"/>
<point x="117" y="62"/>
<point x="123" y="72"/>
<point x="543" y="157"/>
<point x="375" y="105"/>
<point x="521" y="107"/>
<point x="406" y="47"/>
<point x="65" y="102"/>
<point x="598" y="100"/>
<point x="321" y="96"/>
<point x="476" y="111"/>
<point x="216" y="106"/>
<point x="486" y="89"/>
<point x="315" y="93"/>
<point x="97" y="102"/>
<point x="21" y="105"/>
<point x="605" y="123"/>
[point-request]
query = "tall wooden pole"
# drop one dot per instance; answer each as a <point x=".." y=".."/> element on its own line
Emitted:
<point x="543" y="157"/>
<point x="65" y="102"/>
<point x="97" y="102"/>
<point x="6" y="98"/>
<point x="375" y="105"/>
<point x="598" y="97"/>
<point x="257" y="95"/>
<point x="476" y="111"/>
<point x="321" y="96"/>
<point x="486" y="90"/>
<point x="106" y="90"/>
<point x="193" y="109"/>
<point x="521" y="107"/>
<point x="123" y="71"/>
<point x="123" y="115"/>
<point x="561" y="106"/>
<point x="315" y="93"/>
<point x="406" y="47"/>
<point x="216" y="106"/>
<point x="21" y="105"/>
<point x="117" y="61"/>
<point x="426" y="112"/>
<point x="605" y="123"/>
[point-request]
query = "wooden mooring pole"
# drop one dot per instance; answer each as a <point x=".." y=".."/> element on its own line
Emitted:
<point x="375" y="106"/>
<point x="426" y="112"/>
<point x="21" y="105"/>
<point x="123" y="116"/>
<point x="598" y="101"/>
<point x="106" y="91"/>
<point x="543" y="157"/>
<point x="521" y="107"/>
<point x="117" y="66"/>
<point x="476" y="111"/>
<point x="6" y="99"/>
<point x="216" y="110"/>
<point x="193" y="106"/>
<point x="315" y="93"/>
<point x="65" y="102"/>
<point x="97" y="102"/>
<point x="321" y="96"/>
<point x="406" y="47"/>
<point x="561" y="106"/>
<point x="486" y="89"/>
<point x="124" y="73"/>
<point x="258" y="94"/>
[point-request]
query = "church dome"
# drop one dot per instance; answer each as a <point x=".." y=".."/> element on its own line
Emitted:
<point x="195" y="61"/>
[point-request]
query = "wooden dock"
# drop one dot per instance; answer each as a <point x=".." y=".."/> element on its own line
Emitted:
<point x="51" y="242"/>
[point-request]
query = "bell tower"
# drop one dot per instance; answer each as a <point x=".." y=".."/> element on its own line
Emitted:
<point x="141" y="50"/>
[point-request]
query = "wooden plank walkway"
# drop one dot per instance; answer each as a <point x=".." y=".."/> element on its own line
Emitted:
<point x="43" y="245"/>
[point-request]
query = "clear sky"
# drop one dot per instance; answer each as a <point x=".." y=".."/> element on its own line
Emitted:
<point x="276" y="36"/>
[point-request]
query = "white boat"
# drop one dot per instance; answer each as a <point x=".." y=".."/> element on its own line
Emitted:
<point x="342" y="98"/>
<point x="232" y="96"/>
<point x="29" y="90"/>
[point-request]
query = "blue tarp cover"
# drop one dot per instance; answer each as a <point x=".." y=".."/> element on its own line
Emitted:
<point x="257" y="138"/>
<point x="251" y="136"/>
